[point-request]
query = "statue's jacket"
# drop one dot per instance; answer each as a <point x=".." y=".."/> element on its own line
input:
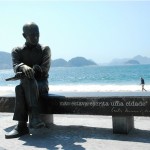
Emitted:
<point x="30" y="56"/>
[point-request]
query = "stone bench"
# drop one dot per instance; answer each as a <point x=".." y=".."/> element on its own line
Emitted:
<point x="121" y="108"/>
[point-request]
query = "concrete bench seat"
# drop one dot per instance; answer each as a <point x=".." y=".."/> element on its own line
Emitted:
<point x="121" y="108"/>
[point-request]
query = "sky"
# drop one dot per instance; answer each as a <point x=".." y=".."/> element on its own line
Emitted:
<point x="97" y="30"/>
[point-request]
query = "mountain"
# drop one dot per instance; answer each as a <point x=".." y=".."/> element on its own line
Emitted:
<point x="142" y="60"/>
<point x="134" y="61"/>
<point x="80" y="61"/>
<point x="5" y="60"/>
<point x="74" y="62"/>
<point x="59" y="63"/>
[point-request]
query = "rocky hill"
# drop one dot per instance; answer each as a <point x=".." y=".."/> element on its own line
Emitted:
<point x="80" y="61"/>
<point x="59" y="63"/>
<point x="141" y="59"/>
<point x="74" y="62"/>
<point x="6" y="62"/>
<point x="132" y="61"/>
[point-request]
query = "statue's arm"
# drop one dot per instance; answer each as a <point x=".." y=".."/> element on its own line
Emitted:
<point x="46" y="59"/>
<point x="16" y="60"/>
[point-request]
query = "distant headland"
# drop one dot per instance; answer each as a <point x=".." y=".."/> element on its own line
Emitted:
<point x="6" y="62"/>
<point x="137" y="60"/>
<point x="74" y="62"/>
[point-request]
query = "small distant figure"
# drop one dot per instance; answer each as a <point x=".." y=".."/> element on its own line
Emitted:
<point x="143" y="83"/>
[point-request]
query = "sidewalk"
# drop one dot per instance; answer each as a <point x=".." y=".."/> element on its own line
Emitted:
<point x="77" y="132"/>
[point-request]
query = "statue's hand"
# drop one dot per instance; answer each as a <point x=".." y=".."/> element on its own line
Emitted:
<point x="28" y="71"/>
<point x="37" y="68"/>
<point x="38" y="71"/>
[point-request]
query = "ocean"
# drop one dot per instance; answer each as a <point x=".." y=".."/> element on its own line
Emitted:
<point x="89" y="79"/>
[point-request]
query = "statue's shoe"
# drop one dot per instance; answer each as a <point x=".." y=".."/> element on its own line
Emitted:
<point x="17" y="132"/>
<point x="36" y="123"/>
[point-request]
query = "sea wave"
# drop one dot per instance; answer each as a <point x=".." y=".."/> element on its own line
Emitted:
<point x="97" y="88"/>
<point x="10" y="90"/>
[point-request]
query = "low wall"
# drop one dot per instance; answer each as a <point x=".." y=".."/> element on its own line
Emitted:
<point x="7" y="104"/>
<point x="98" y="105"/>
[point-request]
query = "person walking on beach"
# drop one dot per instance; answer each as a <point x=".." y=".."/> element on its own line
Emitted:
<point x="33" y="60"/>
<point x="143" y="83"/>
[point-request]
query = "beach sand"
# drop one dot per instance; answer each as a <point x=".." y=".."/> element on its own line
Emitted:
<point x="77" y="132"/>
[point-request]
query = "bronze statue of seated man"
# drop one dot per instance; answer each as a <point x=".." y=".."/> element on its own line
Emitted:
<point x="33" y="60"/>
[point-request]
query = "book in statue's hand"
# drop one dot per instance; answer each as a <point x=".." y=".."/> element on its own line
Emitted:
<point x="18" y="76"/>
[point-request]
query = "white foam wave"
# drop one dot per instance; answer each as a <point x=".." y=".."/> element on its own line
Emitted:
<point x="7" y="90"/>
<point x="10" y="90"/>
<point x="97" y="88"/>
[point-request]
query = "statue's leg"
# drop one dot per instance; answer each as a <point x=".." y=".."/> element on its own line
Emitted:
<point x="43" y="89"/>
<point x="31" y="91"/>
<point x="20" y="114"/>
<point x="21" y="110"/>
<point x="30" y="87"/>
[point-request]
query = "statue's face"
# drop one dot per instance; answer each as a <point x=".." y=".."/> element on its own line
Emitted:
<point x="32" y="36"/>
